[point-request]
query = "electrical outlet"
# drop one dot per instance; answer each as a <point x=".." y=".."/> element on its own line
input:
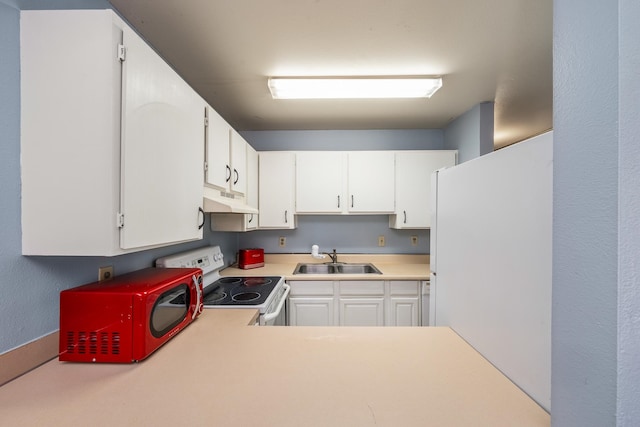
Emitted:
<point x="380" y="240"/>
<point x="282" y="241"/>
<point x="105" y="273"/>
<point x="414" y="240"/>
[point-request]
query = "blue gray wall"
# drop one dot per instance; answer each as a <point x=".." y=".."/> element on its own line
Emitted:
<point x="471" y="133"/>
<point x="30" y="286"/>
<point x="346" y="140"/>
<point x="596" y="224"/>
<point x="347" y="234"/>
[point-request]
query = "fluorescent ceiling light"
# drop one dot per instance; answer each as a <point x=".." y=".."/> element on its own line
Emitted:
<point x="353" y="87"/>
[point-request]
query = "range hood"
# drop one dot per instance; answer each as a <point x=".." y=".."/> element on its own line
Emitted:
<point x="216" y="201"/>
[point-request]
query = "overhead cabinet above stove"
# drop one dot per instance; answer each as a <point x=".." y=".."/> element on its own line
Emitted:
<point x="111" y="139"/>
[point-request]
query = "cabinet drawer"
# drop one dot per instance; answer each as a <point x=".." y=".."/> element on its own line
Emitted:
<point x="311" y="287"/>
<point x="404" y="287"/>
<point x="362" y="287"/>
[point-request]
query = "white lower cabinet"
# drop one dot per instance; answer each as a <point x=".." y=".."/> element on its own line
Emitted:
<point x="404" y="303"/>
<point x="354" y="303"/>
<point x="311" y="303"/>
<point x="361" y="302"/>
<point x="361" y="311"/>
<point x="311" y="311"/>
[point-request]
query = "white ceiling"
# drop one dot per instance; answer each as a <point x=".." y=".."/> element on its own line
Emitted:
<point x="488" y="50"/>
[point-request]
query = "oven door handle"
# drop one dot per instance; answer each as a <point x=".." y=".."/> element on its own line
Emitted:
<point x="271" y="316"/>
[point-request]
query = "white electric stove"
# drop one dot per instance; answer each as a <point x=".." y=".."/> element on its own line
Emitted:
<point x="267" y="294"/>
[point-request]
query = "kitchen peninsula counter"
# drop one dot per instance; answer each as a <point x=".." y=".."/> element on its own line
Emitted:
<point x="219" y="371"/>
<point x="392" y="267"/>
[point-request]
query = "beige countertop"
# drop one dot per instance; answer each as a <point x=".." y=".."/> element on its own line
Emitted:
<point x="392" y="267"/>
<point x="218" y="371"/>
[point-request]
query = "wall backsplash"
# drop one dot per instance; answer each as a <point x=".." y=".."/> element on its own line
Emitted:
<point x="345" y="233"/>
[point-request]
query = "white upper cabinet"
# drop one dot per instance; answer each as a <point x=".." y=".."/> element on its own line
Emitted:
<point x="320" y="182"/>
<point x="251" y="220"/>
<point x="242" y="221"/>
<point x="371" y="181"/>
<point x="226" y="156"/>
<point x="238" y="162"/>
<point x="413" y="186"/>
<point x="339" y="182"/>
<point x="218" y="151"/>
<point x="111" y="139"/>
<point x="162" y="140"/>
<point x="276" y="181"/>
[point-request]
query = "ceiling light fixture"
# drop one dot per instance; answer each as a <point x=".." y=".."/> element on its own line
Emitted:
<point x="353" y="87"/>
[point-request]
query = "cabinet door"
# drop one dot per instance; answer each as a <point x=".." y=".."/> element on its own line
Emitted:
<point x="413" y="186"/>
<point x="362" y="302"/>
<point x="320" y="182"/>
<point x="218" y="167"/>
<point x="70" y="132"/>
<point x="276" y="203"/>
<point x="371" y="178"/>
<point x="251" y="220"/>
<point x="311" y="311"/>
<point x="362" y="311"/>
<point x="425" y="312"/>
<point x="238" y="163"/>
<point x="404" y="303"/>
<point x="161" y="151"/>
<point x="404" y="311"/>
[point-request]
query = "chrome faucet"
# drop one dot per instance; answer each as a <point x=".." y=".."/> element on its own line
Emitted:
<point x="334" y="257"/>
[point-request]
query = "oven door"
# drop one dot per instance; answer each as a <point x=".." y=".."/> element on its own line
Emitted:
<point x="276" y="315"/>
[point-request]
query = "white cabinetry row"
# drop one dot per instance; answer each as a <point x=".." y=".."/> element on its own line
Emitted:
<point x="112" y="157"/>
<point x="355" y="303"/>
<point x="111" y="139"/>
<point x="329" y="182"/>
<point x="396" y="183"/>
<point x="117" y="150"/>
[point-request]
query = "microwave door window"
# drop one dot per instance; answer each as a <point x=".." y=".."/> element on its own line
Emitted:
<point x="169" y="310"/>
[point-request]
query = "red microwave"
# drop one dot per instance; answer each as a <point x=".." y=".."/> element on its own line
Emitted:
<point x="127" y="318"/>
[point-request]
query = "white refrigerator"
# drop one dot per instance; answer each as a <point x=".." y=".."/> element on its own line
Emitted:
<point x="490" y="259"/>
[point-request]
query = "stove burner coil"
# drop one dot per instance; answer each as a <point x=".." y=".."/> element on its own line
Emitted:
<point x="257" y="281"/>
<point x="229" y="280"/>
<point x="216" y="295"/>
<point x="246" y="296"/>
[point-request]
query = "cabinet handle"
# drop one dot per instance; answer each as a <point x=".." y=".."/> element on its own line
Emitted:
<point x="338" y="200"/>
<point x="405" y="216"/>
<point x="285" y="217"/>
<point x="201" y="211"/>
<point x="250" y="218"/>
<point x="228" y="174"/>
<point x="352" y="200"/>
<point x="235" y="172"/>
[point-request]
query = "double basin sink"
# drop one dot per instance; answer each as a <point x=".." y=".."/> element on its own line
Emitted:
<point x="336" y="268"/>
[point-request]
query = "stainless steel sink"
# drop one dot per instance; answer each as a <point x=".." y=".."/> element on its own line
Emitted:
<point x="337" y="268"/>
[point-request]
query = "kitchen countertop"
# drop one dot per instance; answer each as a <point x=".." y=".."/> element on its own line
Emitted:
<point x="392" y="267"/>
<point x="218" y="371"/>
